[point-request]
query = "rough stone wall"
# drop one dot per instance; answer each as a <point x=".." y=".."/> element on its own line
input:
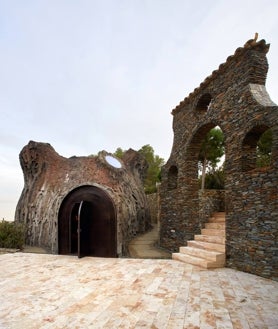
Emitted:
<point x="235" y="99"/>
<point x="153" y="204"/>
<point x="49" y="178"/>
<point x="210" y="201"/>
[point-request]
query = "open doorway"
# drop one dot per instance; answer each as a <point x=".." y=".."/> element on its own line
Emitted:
<point x="73" y="229"/>
<point x="87" y="224"/>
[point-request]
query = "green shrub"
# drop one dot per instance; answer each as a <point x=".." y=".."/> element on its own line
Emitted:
<point x="214" y="179"/>
<point x="12" y="235"/>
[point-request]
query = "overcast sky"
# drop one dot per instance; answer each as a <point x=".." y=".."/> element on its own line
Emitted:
<point x="91" y="75"/>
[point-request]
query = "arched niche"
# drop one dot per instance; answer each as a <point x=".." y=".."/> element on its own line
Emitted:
<point x="204" y="102"/>
<point x="252" y="148"/>
<point x="172" y="177"/>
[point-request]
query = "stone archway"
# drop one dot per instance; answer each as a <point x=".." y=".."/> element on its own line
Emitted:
<point x="87" y="223"/>
<point x="234" y="98"/>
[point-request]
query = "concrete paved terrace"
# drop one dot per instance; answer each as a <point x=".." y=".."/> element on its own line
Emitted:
<point x="52" y="291"/>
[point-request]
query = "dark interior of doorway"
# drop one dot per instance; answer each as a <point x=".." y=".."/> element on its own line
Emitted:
<point x="73" y="229"/>
<point x="87" y="224"/>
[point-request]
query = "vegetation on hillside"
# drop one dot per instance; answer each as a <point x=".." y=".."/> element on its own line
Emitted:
<point x="212" y="176"/>
<point x="12" y="235"/>
<point x="155" y="163"/>
<point x="211" y="152"/>
<point x="264" y="147"/>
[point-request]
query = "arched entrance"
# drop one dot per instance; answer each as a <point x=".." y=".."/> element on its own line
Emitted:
<point x="87" y="224"/>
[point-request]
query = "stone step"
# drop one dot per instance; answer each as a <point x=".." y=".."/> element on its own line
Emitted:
<point x="206" y="245"/>
<point x="196" y="261"/>
<point x="217" y="226"/>
<point x="208" y="248"/>
<point x="219" y="214"/>
<point x="203" y="253"/>
<point x="210" y="238"/>
<point x="217" y="219"/>
<point x="209" y="231"/>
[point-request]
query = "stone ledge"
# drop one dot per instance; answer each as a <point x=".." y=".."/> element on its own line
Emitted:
<point x="8" y="250"/>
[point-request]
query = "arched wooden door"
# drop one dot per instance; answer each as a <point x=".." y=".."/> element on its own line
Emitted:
<point x="87" y="224"/>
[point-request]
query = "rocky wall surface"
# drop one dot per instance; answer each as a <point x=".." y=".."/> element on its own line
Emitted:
<point x="233" y="98"/>
<point x="153" y="200"/>
<point x="49" y="178"/>
<point x="210" y="201"/>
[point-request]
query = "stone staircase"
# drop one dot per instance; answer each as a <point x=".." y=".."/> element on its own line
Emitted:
<point x="207" y="249"/>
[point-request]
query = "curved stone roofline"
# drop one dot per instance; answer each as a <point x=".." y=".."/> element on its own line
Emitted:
<point x="252" y="44"/>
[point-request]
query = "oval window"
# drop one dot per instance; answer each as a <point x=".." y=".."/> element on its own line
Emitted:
<point x="113" y="161"/>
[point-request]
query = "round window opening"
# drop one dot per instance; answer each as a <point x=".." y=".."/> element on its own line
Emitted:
<point x="113" y="161"/>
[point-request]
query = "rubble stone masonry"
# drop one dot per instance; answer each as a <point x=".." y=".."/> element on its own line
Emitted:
<point x="49" y="178"/>
<point x="235" y="99"/>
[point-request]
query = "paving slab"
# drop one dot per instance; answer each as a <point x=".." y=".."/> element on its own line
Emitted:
<point x="52" y="291"/>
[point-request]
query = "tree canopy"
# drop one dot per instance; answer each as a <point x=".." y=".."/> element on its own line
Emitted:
<point x="119" y="152"/>
<point x="212" y="149"/>
<point x="264" y="148"/>
<point x="211" y="152"/>
<point x="154" y="162"/>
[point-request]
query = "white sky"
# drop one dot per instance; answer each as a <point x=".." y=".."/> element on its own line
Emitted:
<point x="93" y="75"/>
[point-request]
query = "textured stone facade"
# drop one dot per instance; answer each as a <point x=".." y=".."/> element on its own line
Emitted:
<point x="235" y="99"/>
<point x="153" y="200"/>
<point x="210" y="201"/>
<point x="52" y="181"/>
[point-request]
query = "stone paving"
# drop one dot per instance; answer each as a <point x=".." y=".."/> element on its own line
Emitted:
<point x="52" y="291"/>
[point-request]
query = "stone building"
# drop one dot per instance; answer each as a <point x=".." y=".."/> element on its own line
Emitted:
<point x="235" y="99"/>
<point x="82" y="205"/>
